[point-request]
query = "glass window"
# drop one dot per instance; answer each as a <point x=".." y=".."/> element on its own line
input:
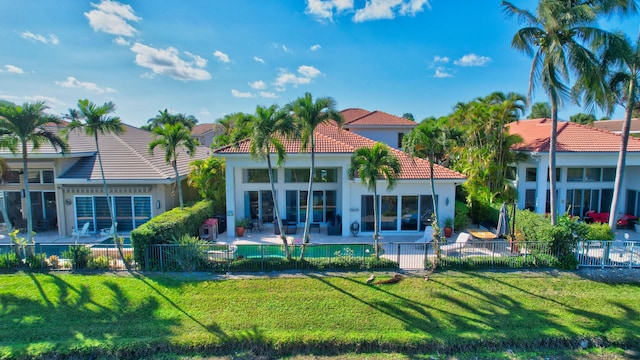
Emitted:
<point x="409" y="219"/>
<point x="47" y="176"/>
<point x="259" y="176"/>
<point x="531" y="174"/>
<point x="325" y="175"/>
<point x="124" y="213"/>
<point x="574" y="174"/>
<point x="14" y="177"/>
<point x="631" y="202"/>
<point x="296" y="175"/>
<point x="84" y="211"/>
<point x="426" y="210"/>
<point x="557" y="175"/>
<point x="389" y="213"/>
<point x="141" y="210"/>
<point x="267" y="206"/>
<point x="318" y="206"/>
<point x="605" y="201"/>
<point x="302" y="196"/>
<point x="291" y="211"/>
<point x="530" y="199"/>
<point x="512" y="171"/>
<point x="609" y="174"/>
<point x="34" y="176"/>
<point x="366" y="215"/>
<point x="400" y="137"/>
<point x="331" y="201"/>
<point x="592" y="174"/>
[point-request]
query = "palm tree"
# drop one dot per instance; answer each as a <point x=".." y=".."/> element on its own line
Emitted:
<point x="231" y="129"/>
<point x="558" y="37"/>
<point x="172" y="137"/>
<point x="95" y="120"/>
<point x="625" y="85"/>
<point x="24" y="125"/>
<point x="164" y="117"/>
<point x="370" y="164"/>
<point x="309" y="115"/>
<point x="267" y="129"/>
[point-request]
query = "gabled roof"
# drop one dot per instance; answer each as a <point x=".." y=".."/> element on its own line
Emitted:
<point x="331" y="140"/>
<point x="126" y="157"/>
<point x="571" y="137"/>
<point x="361" y="117"/>
<point x="203" y="128"/>
<point x="616" y="125"/>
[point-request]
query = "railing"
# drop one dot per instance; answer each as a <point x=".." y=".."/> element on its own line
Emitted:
<point x="68" y="256"/>
<point x="608" y="254"/>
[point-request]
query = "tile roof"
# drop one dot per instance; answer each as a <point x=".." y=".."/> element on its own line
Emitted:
<point x="616" y="125"/>
<point x="361" y="117"/>
<point x="331" y="140"/>
<point x="572" y="137"/>
<point x="203" y="128"/>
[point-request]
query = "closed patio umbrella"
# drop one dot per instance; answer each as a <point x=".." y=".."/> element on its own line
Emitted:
<point x="503" y="221"/>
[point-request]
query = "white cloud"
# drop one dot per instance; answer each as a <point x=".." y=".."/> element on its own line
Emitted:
<point x="260" y="60"/>
<point x="388" y="9"/>
<point x="72" y="82"/>
<point x="308" y="71"/>
<point x="286" y="77"/>
<point x="52" y="39"/>
<point x="112" y="17"/>
<point x="205" y="112"/>
<point x="121" y="41"/>
<point x="472" y="60"/>
<point x="268" y="95"/>
<point x="442" y="72"/>
<point x="281" y="46"/>
<point x="198" y="61"/>
<point x="13" y="69"/>
<point x="168" y="62"/>
<point x="315" y="47"/>
<point x="221" y="56"/>
<point x="239" y="94"/>
<point x="440" y="59"/>
<point x="20" y="99"/>
<point x="258" y="85"/>
<point x="323" y="10"/>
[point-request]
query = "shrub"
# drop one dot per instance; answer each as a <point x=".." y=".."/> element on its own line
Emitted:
<point x="54" y="261"/>
<point x="461" y="215"/>
<point x="170" y="225"/>
<point x="37" y="261"/>
<point x="190" y="255"/>
<point x="78" y="255"/>
<point x="99" y="263"/>
<point x="9" y="260"/>
<point x="598" y="231"/>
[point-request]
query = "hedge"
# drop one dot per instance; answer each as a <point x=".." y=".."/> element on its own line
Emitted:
<point x="171" y="225"/>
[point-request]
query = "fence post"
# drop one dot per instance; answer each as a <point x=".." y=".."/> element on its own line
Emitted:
<point x="161" y="257"/>
<point x="398" y="255"/>
<point x="493" y="253"/>
<point x="631" y="255"/>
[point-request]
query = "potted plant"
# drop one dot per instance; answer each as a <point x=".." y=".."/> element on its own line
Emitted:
<point x="241" y="223"/>
<point x="448" y="227"/>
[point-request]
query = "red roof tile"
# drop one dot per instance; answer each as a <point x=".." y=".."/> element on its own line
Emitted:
<point x="331" y="140"/>
<point x="572" y="137"/>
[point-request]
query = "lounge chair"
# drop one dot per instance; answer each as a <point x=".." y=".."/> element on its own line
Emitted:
<point x="84" y="232"/>
<point x="460" y="242"/>
<point x="427" y="236"/>
<point x="108" y="232"/>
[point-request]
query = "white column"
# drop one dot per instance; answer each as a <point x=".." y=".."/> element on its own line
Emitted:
<point x="346" y="203"/>
<point x="541" y="184"/>
<point x="231" y="201"/>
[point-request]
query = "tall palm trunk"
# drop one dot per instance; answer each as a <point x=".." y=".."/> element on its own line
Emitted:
<point x="25" y="177"/>
<point x="552" y="159"/>
<point x="116" y="239"/>
<point x="307" y="221"/>
<point x="376" y="212"/>
<point x="283" y="236"/>
<point x="436" y="226"/>
<point x="622" y="157"/>
<point x="175" y="168"/>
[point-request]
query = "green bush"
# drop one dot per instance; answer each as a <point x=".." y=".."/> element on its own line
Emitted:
<point x="598" y="231"/>
<point x="78" y="255"/>
<point x="170" y="225"/>
<point x="191" y="255"/>
<point x="484" y="212"/>
<point x="341" y="263"/>
<point x="37" y="261"/>
<point x="9" y="260"/>
<point x="461" y="215"/>
<point x="99" y="263"/>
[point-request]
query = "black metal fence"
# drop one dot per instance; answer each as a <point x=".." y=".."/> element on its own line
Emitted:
<point x="263" y="258"/>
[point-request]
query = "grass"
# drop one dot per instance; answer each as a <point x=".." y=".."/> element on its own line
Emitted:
<point x="136" y="316"/>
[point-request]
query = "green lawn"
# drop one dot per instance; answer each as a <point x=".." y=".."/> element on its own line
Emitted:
<point x="452" y="312"/>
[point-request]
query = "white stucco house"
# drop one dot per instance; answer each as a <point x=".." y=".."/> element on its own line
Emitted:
<point x="586" y="161"/>
<point x="404" y="209"/>
<point x="67" y="190"/>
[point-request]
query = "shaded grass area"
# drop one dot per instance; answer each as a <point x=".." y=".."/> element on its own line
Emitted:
<point x="135" y="316"/>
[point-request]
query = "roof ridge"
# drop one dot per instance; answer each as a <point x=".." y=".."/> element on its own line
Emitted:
<point x="363" y="116"/>
<point x="137" y="153"/>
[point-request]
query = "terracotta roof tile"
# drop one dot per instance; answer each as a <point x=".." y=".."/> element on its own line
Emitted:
<point x="572" y="137"/>
<point x="331" y="140"/>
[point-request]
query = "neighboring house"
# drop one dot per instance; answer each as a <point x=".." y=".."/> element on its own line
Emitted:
<point x="615" y="126"/>
<point x="67" y="191"/>
<point x="378" y="126"/>
<point x="586" y="161"/>
<point x="205" y="133"/>
<point x="404" y="209"/>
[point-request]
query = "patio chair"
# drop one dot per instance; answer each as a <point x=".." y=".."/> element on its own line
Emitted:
<point x="427" y="236"/>
<point x="460" y="242"/>
<point x="108" y="232"/>
<point x="84" y="232"/>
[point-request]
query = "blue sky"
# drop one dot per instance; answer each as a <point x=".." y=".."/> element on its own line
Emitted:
<point x="210" y="58"/>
